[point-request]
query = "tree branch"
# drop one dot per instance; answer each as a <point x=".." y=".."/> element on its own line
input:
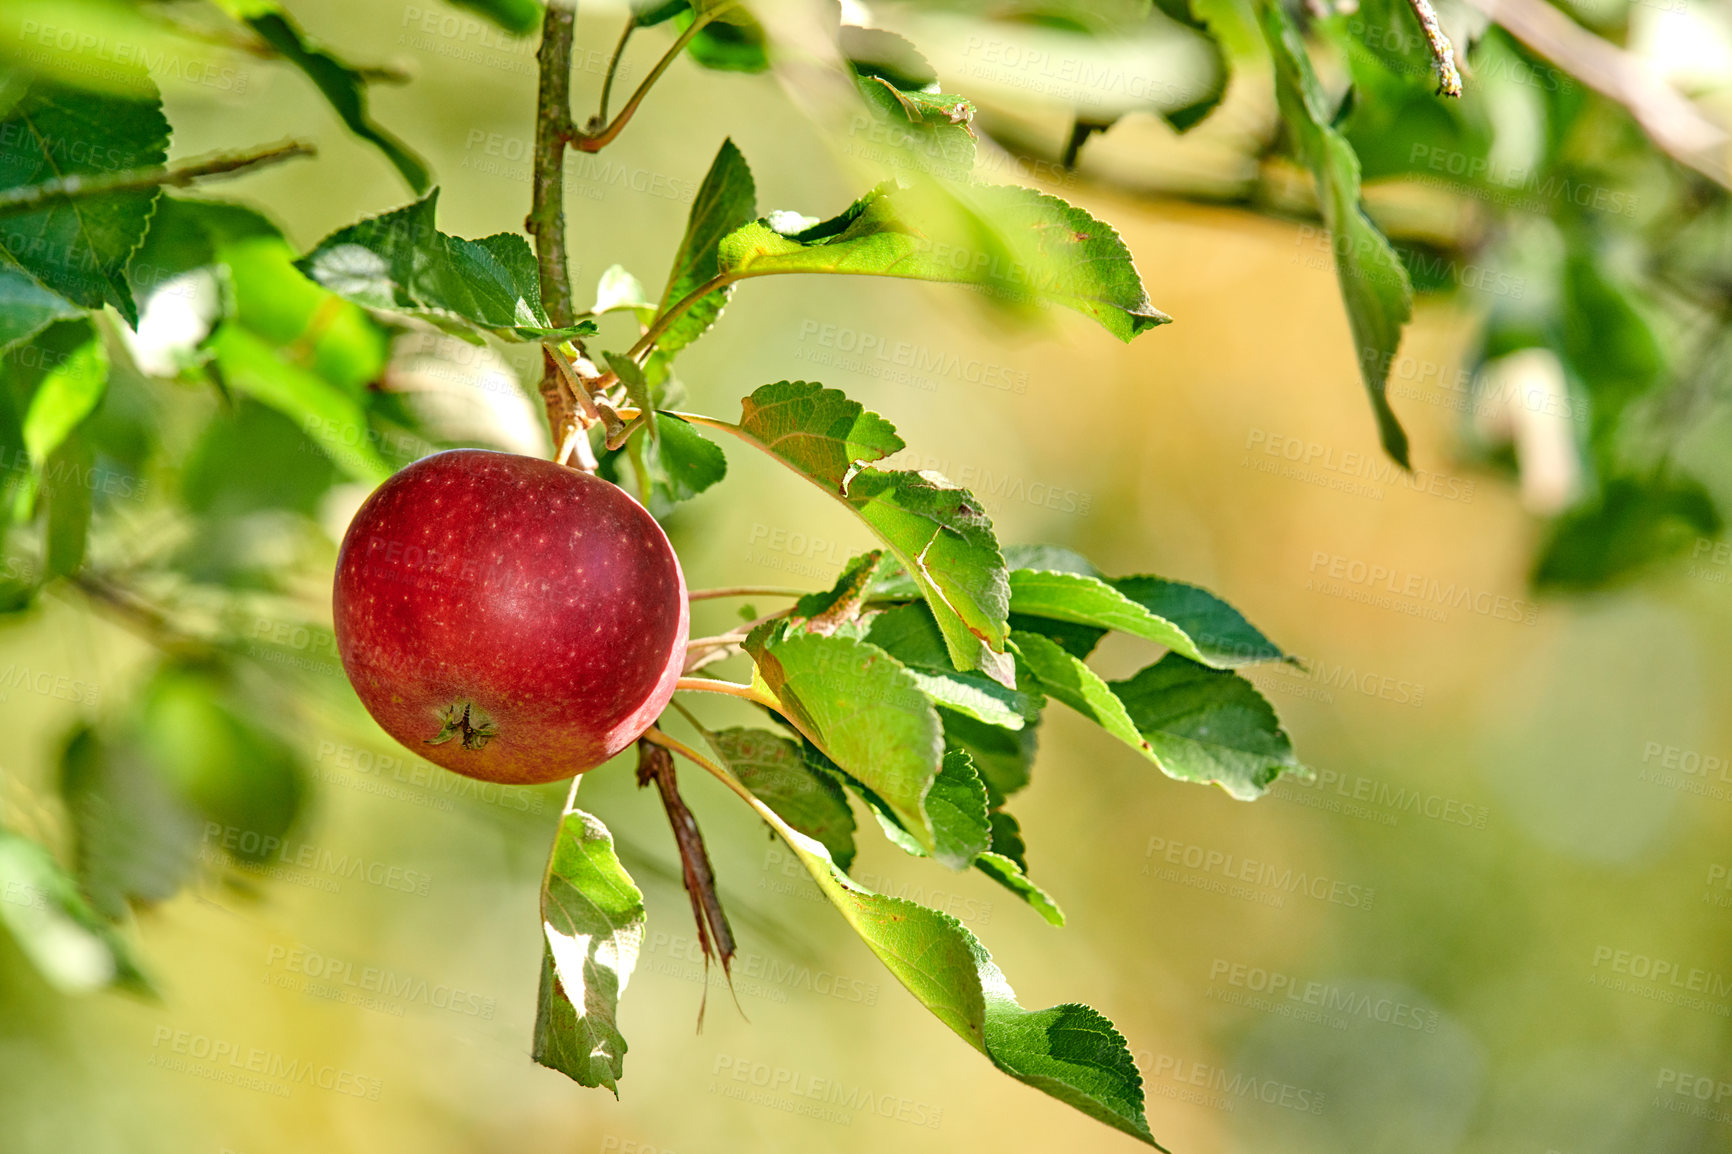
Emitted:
<point x="78" y="186"/>
<point x="715" y="936"/>
<point x="1669" y="118"/>
<point x="553" y="130"/>
<point x="598" y="140"/>
<point x="1442" y="51"/>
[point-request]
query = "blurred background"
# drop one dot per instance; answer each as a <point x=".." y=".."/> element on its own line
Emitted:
<point x="1516" y="936"/>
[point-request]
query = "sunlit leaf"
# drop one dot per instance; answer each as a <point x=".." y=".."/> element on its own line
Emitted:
<point x="593" y="922"/>
<point x="401" y="262"/>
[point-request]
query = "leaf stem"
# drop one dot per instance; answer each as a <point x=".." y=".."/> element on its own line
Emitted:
<point x="727" y="689"/>
<point x="657" y="737"/>
<point x="596" y="141"/>
<point x="613" y="68"/>
<point x="78" y="185"/>
<point x="745" y="591"/>
<point x="675" y="311"/>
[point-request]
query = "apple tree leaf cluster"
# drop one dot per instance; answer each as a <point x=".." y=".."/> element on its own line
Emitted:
<point x="190" y="397"/>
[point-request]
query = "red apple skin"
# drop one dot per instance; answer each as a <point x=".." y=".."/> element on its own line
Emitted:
<point x="546" y="600"/>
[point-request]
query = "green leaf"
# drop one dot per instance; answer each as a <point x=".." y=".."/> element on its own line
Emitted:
<point x="26" y="308"/>
<point x="401" y="262"/>
<point x="593" y="920"/>
<point x="943" y="537"/>
<point x="79" y="249"/>
<point x="957" y="806"/>
<point x="1219" y="631"/>
<point x="1165" y="612"/>
<point x="926" y="131"/>
<point x="344" y="88"/>
<point x="730" y="42"/>
<point x="1007" y="839"/>
<point x="1069" y="1051"/>
<point x="1054" y="558"/>
<point x="69" y="499"/>
<point x="1092" y="602"/>
<point x="1188" y="116"/>
<point x="70" y="946"/>
<point x="910" y="634"/>
<point x="69" y="391"/>
<point x="250" y="365"/>
<point x="863" y="710"/>
<point x="229" y="769"/>
<point x="775" y="770"/>
<point x="1010" y="875"/>
<point x="842" y="602"/>
<point x="1074" y="683"/>
<point x="1004" y="758"/>
<point x="689" y="461"/>
<point x="135" y="841"/>
<point x="1207" y="725"/>
<point x="1632" y="523"/>
<point x="886" y="56"/>
<point x="518" y="17"/>
<point x="1056" y="252"/>
<point x="637" y="387"/>
<point x="1374" y="284"/>
<point x="619" y="291"/>
<point x="726" y="200"/>
<point x="819" y="432"/>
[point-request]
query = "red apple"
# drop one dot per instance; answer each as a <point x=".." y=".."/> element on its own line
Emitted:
<point x="509" y="618"/>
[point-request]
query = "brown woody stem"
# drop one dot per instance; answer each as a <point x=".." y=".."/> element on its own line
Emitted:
<point x="655" y="764"/>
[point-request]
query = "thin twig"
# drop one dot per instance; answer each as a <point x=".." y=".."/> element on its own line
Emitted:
<point x="78" y="185"/>
<point x="1442" y="51"/>
<point x="746" y="591"/>
<point x="612" y="69"/>
<point x="596" y="141"/>
<point x="1670" y="119"/>
<point x="656" y="764"/>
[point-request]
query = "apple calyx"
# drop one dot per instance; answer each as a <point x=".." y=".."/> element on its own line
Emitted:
<point x="454" y="720"/>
